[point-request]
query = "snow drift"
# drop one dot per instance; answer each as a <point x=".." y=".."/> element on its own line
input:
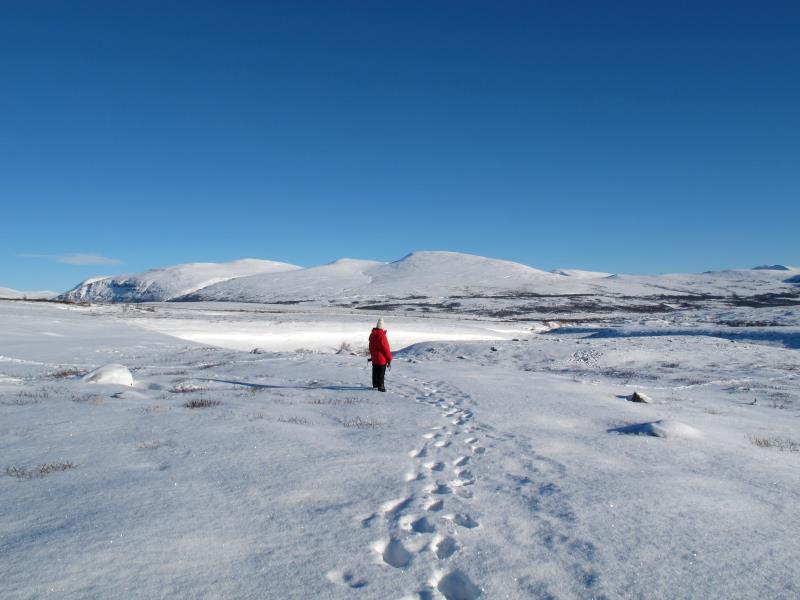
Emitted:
<point x="662" y="429"/>
<point x="113" y="374"/>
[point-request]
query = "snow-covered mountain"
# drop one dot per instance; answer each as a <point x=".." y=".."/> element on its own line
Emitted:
<point x="159" y="285"/>
<point x="16" y="294"/>
<point x="335" y="279"/>
<point x="418" y="275"/>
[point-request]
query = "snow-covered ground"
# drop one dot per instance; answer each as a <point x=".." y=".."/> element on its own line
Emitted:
<point x="505" y="460"/>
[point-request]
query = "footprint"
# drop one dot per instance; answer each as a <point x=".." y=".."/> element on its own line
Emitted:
<point x="463" y="493"/>
<point x="463" y="477"/>
<point x="435" y="505"/>
<point x="345" y="578"/>
<point x="479" y="449"/>
<point x="439" y="489"/>
<point x="393" y="553"/>
<point x="414" y="476"/>
<point x="425" y="594"/>
<point x="444" y="546"/>
<point x="430" y="436"/>
<point x="463" y="519"/>
<point x="470" y="440"/>
<point x="418" y="524"/>
<point x="392" y="507"/>
<point x="457" y="586"/>
<point x="422" y="452"/>
<point x="434" y="466"/>
<point x="442" y="443"/>
<point x="367" y="521"/>
<point x="461" y="461"/>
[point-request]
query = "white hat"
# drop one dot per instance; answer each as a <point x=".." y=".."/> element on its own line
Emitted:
<point x="380" y="323"/>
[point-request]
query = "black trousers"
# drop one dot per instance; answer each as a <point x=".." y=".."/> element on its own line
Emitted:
<point x="378" y="375"/>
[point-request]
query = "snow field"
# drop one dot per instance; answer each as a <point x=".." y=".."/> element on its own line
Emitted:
<point x="490" y="469"/>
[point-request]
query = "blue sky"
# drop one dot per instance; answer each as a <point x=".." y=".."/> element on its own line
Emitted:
<point x="618" y="136"/>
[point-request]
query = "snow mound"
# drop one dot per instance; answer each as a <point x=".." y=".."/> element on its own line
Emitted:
<point x="113" y="373"/>
<point x="662" y="429"/>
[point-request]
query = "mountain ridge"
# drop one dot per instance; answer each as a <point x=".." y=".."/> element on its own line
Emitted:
<point x="428" y="273"/>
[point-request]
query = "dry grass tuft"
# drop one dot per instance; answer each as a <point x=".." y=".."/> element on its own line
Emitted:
<point x="251" y="389"/>
<point x="31" y="397"/>
<point x="359" y="423"/>
<point x="96" y="399"/>
<point x="186" y="387"/>
<point x="210" y="365"/>
<point x="782" y="444"/>
<point x="151" y="445"/>
<point x="68" y="372"/>
<point x="43" y="470"/>
<point x="335" y="401"/>
<point x="294" y="420"/>
<point x="26" y="398"/>
<point x="201" y="403"/>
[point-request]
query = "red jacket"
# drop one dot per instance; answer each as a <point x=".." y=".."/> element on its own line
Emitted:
<point x="379" y="347"/>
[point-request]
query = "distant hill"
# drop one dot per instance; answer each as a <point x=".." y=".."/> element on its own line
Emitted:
<point x="428" y="274"/>
<point x="158" y="285"/>
<point x="419" y="273"/>
<point x="16" y="294"/>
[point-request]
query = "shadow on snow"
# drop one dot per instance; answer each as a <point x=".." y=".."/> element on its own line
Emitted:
<point x="269" y="386"/>
<point x="789" y="339"/>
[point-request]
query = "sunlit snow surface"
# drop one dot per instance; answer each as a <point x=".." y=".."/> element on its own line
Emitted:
<point x="505" y="461"/>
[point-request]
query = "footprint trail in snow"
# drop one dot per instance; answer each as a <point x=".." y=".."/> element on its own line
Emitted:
<point x="423" y="532"/>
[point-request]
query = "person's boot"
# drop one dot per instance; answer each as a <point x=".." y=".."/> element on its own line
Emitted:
<point x="381" y="389"/>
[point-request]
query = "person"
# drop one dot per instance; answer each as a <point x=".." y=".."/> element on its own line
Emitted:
<point x="380" y="354"/>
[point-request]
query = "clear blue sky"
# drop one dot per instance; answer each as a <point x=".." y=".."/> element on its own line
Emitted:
<point x="618" y="136"/>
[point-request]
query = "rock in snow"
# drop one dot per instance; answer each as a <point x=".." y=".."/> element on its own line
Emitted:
<point x="113" y="373"/>
<point x="638" y="397"/>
